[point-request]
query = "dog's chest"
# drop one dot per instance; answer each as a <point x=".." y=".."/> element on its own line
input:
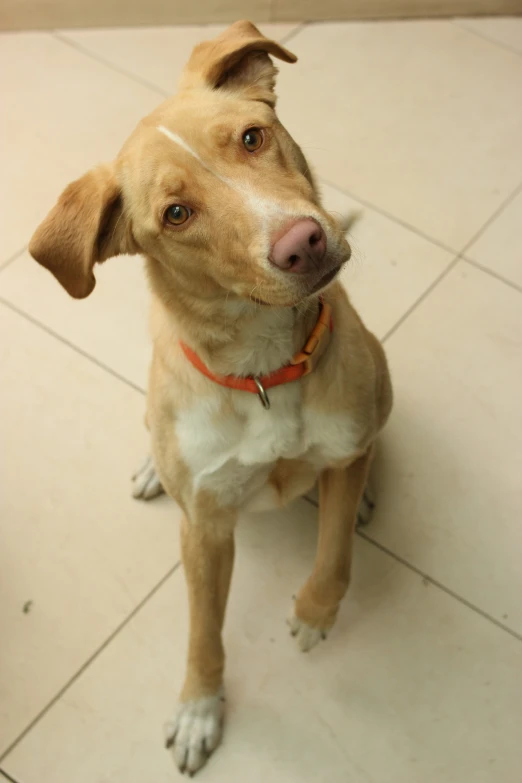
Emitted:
<point x="230" y="442"/>
<point x="232" y="455"/>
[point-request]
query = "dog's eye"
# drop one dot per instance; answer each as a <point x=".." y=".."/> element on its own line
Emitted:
<point x="177" y="214"/>
<point x="253" y="139"/>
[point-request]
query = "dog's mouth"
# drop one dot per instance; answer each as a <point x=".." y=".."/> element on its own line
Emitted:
<point x="333" y="268"/>
<point x="322" y="283"/>
<point x="326" y="279"/>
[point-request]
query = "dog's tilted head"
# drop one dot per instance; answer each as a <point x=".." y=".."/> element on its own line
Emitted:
<point x="210" y="187"/>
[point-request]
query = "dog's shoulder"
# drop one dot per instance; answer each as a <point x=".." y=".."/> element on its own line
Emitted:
<point x="351" y="381"/>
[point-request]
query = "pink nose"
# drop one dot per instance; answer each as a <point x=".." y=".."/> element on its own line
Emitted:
<point x="301" y="248"/>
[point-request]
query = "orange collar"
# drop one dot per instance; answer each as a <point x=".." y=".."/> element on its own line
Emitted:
<point x="302" y="364"/>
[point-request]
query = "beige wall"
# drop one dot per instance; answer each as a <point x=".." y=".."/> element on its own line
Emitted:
<point x="42" y="14"/>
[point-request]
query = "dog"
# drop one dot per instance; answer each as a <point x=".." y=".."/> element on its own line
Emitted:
<point x="264" y="380"/>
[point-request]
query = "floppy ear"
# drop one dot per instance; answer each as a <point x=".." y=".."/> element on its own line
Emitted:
<point x="86" y="227"/>
<point x="238" y="58"/>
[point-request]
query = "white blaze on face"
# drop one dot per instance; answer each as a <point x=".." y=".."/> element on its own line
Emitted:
<point x="183" y="144"/>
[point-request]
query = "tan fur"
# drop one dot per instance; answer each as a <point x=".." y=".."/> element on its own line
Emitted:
<point x="340" y="491"/>
<point x="208" y="557"/>
<point x="213" y="287"/>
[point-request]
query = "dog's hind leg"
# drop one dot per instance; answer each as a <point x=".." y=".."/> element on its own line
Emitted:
<point x="366" y="507"/>
<point x="145" y="482"/>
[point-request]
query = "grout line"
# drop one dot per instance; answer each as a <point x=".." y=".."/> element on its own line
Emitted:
<point x="63" y="38"/>
<point x="4" y="774"/>
<point x="430" y="579"/>
<point x="462" y="24"/>
<point x="122" y="71"/>
<point x="492" y="272"/>
<point x="388" y="215"/>
<point x="442" y="587"/>
<point x="288" y="37"/>
<point x="420" y="299"/>
<point x="90" y="660"/>
<point x="491" y="219"/>
<point x="74" y="347"/>
<point x="458" y="257"/>
<point x="12" y="258"/>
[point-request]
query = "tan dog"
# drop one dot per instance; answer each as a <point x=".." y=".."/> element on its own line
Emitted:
<point x="212" y="190"/>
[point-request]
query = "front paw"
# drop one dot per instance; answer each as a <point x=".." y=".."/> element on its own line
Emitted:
<point x="306" y="636"/>
<point x="195" y="732"/>
<point x="309" y="623"/>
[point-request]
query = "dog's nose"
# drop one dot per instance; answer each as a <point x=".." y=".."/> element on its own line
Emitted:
<point x="301" y="248"/>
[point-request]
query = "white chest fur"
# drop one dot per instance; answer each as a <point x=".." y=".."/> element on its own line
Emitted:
<point x="232" y="455"/>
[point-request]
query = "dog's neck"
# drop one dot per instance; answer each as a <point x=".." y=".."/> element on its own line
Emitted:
<point x="233" y="336"/>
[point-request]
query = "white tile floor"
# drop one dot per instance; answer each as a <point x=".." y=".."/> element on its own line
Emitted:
<point x="417" y="125"/>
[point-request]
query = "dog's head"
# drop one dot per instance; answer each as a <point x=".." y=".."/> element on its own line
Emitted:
<point x="210" y="187"/>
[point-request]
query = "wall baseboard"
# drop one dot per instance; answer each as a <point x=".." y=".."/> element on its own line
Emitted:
<point x="49" y="14"/>
<point x="311" y="10"/>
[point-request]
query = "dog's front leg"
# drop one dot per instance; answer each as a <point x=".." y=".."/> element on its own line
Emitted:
<point x="208" y="556"/>
<point x="317" y="603"/>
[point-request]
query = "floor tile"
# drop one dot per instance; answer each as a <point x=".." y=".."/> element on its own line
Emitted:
<point x="157" y="54"/>
<point x="499" y="248"/>
<point x="112" y="324"/>
<point x="450" y="473"/>
<point x="411" y="685"/>
<point x="420" y="118"/>
<point x="64" y="112"/>
<point x="504" y="30"/>
<point x="77" y="554"/>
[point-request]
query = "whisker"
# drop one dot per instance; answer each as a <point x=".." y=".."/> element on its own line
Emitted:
<point x="256" y="304"/>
